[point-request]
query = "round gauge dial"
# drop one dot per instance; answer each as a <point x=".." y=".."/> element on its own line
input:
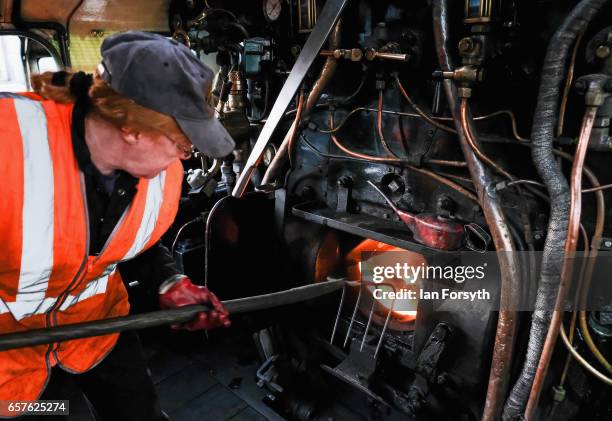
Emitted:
<point x="272" y="9"/>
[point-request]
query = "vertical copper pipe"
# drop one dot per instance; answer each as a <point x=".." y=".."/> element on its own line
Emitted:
<point x="328" y="70"/>
<point x="572" y="326"/>
<point x="470" y="138"/>
<point x="379" y="125"/>
<point x="295" y="126"/>
<point x="568" y="86"/>
<point x="502" y="238"/>
<point x="567" y="268"/>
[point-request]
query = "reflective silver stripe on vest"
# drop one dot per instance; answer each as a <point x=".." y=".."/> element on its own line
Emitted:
<point x="22" y="309"/>
<point x="37" y="215"/>
<point x="95" y="287"/>
<point x="155" y="196"/>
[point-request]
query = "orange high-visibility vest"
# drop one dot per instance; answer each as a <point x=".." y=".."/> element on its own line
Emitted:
<point x="47" y="277"/>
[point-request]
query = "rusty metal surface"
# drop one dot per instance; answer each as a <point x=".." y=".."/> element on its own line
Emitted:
<point x="506" y="326"/>
<point x="110" y="15"/>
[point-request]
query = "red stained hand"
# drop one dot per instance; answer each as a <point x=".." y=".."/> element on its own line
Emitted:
<point x="184" y="293"/>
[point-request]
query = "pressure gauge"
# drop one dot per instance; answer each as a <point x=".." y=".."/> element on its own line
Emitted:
<point x="272" y="9"/>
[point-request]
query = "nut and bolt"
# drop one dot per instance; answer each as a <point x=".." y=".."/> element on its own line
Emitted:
<point x="394" y="186"/>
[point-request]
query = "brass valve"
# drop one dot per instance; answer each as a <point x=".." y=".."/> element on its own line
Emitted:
<point x="355" y="54"/>
<point x="464" y="77"/>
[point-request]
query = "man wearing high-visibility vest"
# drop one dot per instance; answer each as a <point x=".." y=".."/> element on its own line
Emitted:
<point x="91" y="177"/>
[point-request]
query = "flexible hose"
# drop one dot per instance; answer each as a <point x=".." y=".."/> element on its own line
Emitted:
<point x="543" y="132"/>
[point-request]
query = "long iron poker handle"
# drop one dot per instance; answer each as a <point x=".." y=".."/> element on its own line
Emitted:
<point x="163" y="317"/>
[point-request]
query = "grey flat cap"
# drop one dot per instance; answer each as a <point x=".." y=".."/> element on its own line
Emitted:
<point x="164" y="75"/>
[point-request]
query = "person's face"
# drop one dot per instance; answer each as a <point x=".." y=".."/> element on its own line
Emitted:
<point x="150" y="152"/>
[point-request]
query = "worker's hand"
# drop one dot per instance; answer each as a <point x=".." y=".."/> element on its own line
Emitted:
<point x="183" y="292"/>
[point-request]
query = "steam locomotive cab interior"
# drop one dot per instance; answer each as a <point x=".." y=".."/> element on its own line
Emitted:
<point x="439" y="131"/>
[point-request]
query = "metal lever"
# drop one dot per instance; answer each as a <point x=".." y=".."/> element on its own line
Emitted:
<point x="371" y="54"/>
<point x="326" y="21"/>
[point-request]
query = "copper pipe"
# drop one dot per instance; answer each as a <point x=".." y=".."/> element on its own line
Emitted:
<point x="327" y="71"/>
<point x="598" y="188"/>
<point x="500" y="232"/>
<point x="566" y="270"/>
<point x="379" y="125"/>
<point x="596" y="240"/>
<point x="420" y="111"/>
<point x="568" y="359"/>
<point x="595" y="246"/>
<point x="295" y="127"/>
<point x="582" y="361"/>
<point x="469" y="136"/>
<point x="568" y="87"/>
<point x="445" y="181"/>
<point x="508" y="113"/>
<point x="445" y="163"/>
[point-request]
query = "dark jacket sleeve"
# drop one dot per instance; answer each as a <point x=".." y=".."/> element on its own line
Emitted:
<point x="151" y="268"/>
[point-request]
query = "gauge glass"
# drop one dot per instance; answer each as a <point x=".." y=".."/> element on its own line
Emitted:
<point x="272" y="9"/>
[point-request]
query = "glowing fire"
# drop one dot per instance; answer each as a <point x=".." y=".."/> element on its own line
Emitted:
<point x="376" y="248"/>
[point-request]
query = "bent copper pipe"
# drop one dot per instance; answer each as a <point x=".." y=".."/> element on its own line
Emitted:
<point x="568" y="263"/>
<point x="458" y="188"/>
<point x="328" y="70"/>
<point x="470" y="138"/>
<point x="419" y="110"/>
<point x="496" y="220"/>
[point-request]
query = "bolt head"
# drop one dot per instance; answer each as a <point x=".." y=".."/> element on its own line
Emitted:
<point x="602" y="52"/>
<point x="466" y="45"/>
<point x="608" y="243"/>
<point x="393" y="186"/>
<point x="581" y="86"/>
